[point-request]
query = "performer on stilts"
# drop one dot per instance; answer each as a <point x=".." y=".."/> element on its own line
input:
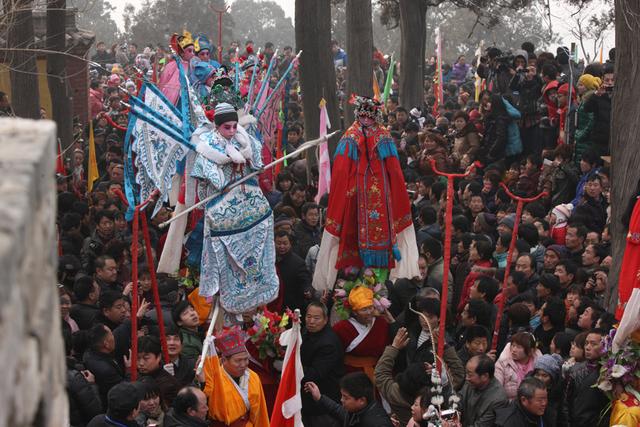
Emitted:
<point x="369" y="220"/>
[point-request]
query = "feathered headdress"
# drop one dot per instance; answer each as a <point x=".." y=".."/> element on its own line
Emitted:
<point x="179" y="42"/>
<point x="368" y="107"/>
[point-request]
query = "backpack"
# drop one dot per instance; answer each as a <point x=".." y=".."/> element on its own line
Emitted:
<point x="514" y="143"/>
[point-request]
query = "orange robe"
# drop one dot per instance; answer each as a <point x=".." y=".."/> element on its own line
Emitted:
<point x="226" y="404"/>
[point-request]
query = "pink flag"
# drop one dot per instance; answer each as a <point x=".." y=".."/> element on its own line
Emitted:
<point x="324" y="163"/>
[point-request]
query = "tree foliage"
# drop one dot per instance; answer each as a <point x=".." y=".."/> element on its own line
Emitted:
<point x="155" y="21"/>
<point x="262" y="21"/>
<point x="96" y="15"/>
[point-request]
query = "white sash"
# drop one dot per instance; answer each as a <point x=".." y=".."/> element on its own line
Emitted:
<point x="242" y="388"/>
<point x="362" y="330"/>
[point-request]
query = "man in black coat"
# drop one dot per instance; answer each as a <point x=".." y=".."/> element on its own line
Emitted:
<point x="85" y="310"/>
<point x="585" y="402"/>
<point x="100" y="361"/>
<point x="292" y="270"/>
<point x="189" y="409"/>
<point x="529" y="407"/>
<point x="307" y="232"/>
<point x="359" y="408"/>
<point x="322" y="360"/>
<point x="150" y="365"/>
<point x="123" y="403"/>
<point x="600" y="105"/>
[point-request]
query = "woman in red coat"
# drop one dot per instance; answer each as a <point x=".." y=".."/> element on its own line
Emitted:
<point x="480" y="254"/>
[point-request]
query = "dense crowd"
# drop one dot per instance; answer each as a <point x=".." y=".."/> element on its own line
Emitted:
<point x="540" y="124"/>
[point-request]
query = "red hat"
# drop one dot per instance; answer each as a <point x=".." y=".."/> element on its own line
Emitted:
<point x="231" y="341"/>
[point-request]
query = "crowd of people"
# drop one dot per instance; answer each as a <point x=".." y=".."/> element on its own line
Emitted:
<point x="540" y="124"/>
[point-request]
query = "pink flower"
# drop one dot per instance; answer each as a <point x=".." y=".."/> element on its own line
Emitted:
<point x="340" y="293"/>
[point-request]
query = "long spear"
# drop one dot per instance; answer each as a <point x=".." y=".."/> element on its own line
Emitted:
<point x="234" y="184"/>
<point x="265" y="81"/>
<point x="280" y="82"/>
<point x="253" y="78"/>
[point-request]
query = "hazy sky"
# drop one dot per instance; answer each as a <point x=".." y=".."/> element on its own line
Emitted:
<point x="561" y="19"/>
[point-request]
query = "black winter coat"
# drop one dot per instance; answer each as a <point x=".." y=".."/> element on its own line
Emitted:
<point x="495" y="137"/>
<point x="295" y="278"/>
<point x="600" y="106"/>
<point x="84" y="398"/>
<point x="371" y="416"/>
<point x="172" y="419"/>
<point x="106" y="370"/>
<point x="84" y="315"/>
<point x="103" y="421"/>
<point x="306" y="237"/>
<point x="584" y="403"/>
<point x="322" y="360"/>
<point x="515" y="415"/>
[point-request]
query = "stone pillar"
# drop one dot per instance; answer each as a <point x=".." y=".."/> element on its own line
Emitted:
<point x="32" y="382"/>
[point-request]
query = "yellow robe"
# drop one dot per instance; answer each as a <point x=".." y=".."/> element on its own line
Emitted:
<point x="225" y="401"/>
<point x="625" y="411"/>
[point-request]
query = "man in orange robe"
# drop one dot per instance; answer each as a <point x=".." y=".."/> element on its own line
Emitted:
<point x="234" y="391"/>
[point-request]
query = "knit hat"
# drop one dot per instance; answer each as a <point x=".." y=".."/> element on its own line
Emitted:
<point x="560" y="250"/>
<point x="508" y="220"/>
<point x="551" y="364"/>
<point x="562" y="212"/>
<point x="590" y="82"/>
<point x="225" y="113"/>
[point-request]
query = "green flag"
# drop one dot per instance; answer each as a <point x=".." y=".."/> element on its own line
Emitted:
<point x="389" y="81"/>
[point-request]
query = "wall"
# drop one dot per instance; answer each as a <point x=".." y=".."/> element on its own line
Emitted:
<point x="32" y="391"/>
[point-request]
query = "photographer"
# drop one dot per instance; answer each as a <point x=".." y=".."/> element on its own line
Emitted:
<point x="528" y="86"/>
<point x="600" y="106"/>
<point x="494" y="68"/>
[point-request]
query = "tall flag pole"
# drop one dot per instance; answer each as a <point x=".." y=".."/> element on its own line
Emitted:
<point x="437" y="84"/>
<point x="376" y="88"/>
<point x="324" y="163"/>
<point x="92" y="173"/>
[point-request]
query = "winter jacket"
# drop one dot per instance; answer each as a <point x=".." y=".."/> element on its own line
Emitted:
<point x="467" y="141"/>
<point x="529" y="92"/>
<point x="584" y="127"/>
<point x="105" y="421"/>
<point x="514" y="143"/>
<point x="477" y="271"/>
<point x="373" y="415"/>
<point x="600" y="106"/>
<point x="295" y="279"/>
<point x="585" y="403"/>
<point x="564" y="179"/>
<point x="106" y="371"/>
<point x="389" y="387"/>
<point x="84" y="315"/>
<point x="592" y="212"/>
<point x="167" y="385"/>
<point x="84" y="398"/>
<point x="191" y="343"/>
<point x="507" y="371"/>
<point x="515" y="415"/>
<point x="305" y="237"/>
<point x="171" y="419"/>
<point x="495" y="137"/>
<point x="459" y="73"/>
<point x="478" y="407"/>
<point x="322" y="357"/>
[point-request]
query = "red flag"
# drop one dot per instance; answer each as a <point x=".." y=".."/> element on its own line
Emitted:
<point x="59" y="162"/>
<point x="288" y="404"/>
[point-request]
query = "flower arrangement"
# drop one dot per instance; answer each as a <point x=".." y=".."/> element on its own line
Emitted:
<point x="266" y="330"/>
<point x="619" y="371"/>
<point x="344" y="287"/>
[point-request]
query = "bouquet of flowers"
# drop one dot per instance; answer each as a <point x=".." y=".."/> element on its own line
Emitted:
<point x="620" y="370"/>
<point x="266" y="330"/>
<point x="344" y="287"/>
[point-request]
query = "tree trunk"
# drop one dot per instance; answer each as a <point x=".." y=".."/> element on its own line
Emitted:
<point x="414" y="31"/>
<point x="625" y="127"/>
<point x="56" y="70"/>
<point x="24" y="72"/>
<point x="359" y="52"/>
<point x="316" y="71"/>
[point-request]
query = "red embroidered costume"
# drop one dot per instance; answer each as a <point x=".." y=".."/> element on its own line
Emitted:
<point x="369" y="216"/>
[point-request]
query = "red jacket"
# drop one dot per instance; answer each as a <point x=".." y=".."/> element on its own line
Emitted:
<point x="468" y="282"/>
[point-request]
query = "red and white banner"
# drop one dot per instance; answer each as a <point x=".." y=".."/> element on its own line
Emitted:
<point x="324" y="162"/>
